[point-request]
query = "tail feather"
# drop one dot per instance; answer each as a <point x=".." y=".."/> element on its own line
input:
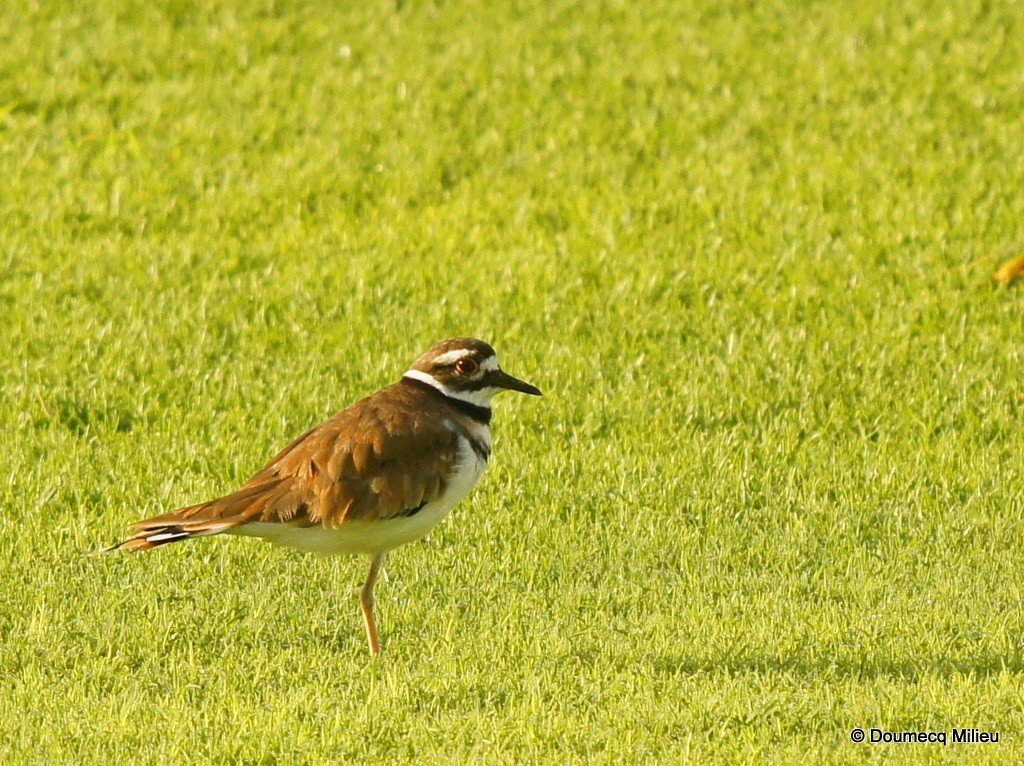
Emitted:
<point x="161" y="534"/>
<point x="211" y="518"/>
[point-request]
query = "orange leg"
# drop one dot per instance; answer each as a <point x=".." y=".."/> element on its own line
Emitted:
<point x="366" y="602"/>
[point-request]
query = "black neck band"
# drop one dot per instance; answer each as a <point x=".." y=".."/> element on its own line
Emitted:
<point x="480" y="414"/>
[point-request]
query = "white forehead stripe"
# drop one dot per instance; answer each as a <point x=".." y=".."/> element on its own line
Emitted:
<point x="490" y="363"/>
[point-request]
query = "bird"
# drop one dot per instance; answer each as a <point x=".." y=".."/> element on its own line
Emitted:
<point x="378" y="474"/>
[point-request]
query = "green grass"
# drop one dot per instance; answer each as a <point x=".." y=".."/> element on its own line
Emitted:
<point x="775" y="490"/>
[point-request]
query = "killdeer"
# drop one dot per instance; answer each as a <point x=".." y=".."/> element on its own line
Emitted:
<point x="380" y="473"/>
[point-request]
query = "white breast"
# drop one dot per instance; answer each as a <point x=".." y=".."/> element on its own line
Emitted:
<point x="383" y="535"/>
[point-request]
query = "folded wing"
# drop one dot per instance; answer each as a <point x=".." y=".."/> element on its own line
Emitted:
<point x="366" y="463"/>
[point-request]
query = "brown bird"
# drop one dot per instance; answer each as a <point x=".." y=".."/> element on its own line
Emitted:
<point x="380" y="473"/>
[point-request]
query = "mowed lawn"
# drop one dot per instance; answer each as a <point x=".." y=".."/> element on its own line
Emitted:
<point x="775" y="488"/>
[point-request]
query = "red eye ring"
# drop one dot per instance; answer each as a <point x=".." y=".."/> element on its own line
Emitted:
<point x="466" y="366"/>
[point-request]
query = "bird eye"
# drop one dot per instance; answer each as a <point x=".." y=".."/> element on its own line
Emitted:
<point x="466" y="366"/>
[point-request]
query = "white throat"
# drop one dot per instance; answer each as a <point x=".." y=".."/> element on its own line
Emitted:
<point x="481" y="398"/>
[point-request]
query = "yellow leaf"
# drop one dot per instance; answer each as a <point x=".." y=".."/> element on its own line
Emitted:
<point x="1010" y="270"/>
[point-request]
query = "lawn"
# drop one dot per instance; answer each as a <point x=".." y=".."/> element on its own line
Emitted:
<point x="774" y="490"/>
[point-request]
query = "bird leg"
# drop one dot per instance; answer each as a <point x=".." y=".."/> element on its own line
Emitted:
<point x="366" y="602"/>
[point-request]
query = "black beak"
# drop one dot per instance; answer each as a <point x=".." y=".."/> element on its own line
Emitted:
<point x="502" y="379"/>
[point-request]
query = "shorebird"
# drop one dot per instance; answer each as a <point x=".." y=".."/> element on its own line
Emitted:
<point x="380" y="473"/>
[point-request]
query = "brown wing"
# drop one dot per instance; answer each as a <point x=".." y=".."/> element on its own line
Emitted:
<point x="373" y="460"/>
<point x="384" y="456"/>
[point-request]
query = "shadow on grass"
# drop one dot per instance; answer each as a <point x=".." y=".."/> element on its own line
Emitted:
<point x="870" y="668"/>
<point x="80" y="418"/>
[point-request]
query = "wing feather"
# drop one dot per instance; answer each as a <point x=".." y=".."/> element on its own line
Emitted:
<point x="383" y="457"/>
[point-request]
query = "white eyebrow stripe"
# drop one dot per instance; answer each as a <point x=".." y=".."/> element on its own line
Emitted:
<point x="451" y="357"/>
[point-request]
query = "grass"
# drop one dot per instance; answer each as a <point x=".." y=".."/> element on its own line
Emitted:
<point x="774" y="491"/>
